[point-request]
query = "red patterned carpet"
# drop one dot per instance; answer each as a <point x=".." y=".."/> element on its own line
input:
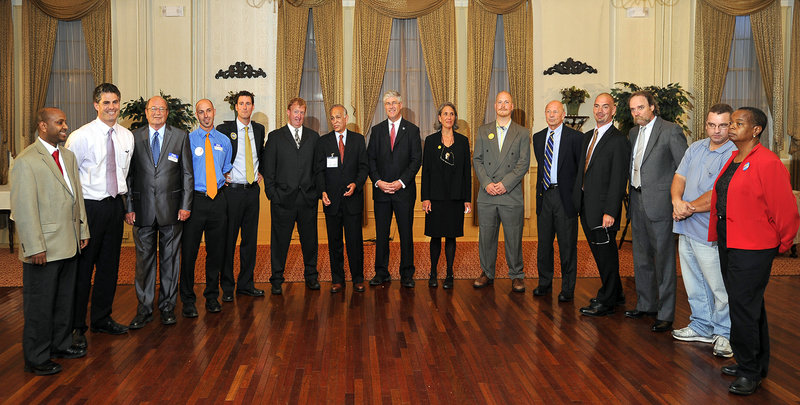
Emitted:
<point x="467" y="265"/>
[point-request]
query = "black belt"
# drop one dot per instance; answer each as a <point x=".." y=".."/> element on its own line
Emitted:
<point x="552" y="186"/>
<point x="639" y="189"/>
<point x="205" y="193"/>
<point x="243" y="185"/>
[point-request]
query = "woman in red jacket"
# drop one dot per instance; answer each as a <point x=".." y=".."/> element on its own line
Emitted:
<point x="753" y="217"/>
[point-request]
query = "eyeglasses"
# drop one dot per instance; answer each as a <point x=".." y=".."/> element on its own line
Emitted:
<point x="713" y="126"/>
<point x="395" y="102"/>
<point x="599" y="235"/>
<point x="157" y="109"/>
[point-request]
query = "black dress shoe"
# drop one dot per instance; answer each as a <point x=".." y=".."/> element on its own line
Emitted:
<point x="72" y="352"/>
<point x="597" y="309"/>
<point x="213" y="306"/>
<point x="359" y="287"/>
<point x="79" y="339"/>
<point x="541" y="291"/>
<point x="661" y="326"/>
<point x="378" y="280"/>
<point x="168" y="317"/>
<point x="407" y="283"/>
<point x="312" y="284"/>
<point x="433" y="282"/>
<point x="336" y="287"/>
<point x="47" y="368"/>
<point x="228" y="297"/>
<point x="140" y="320"/>
<point x="253" y="292"/>
<point x="448" y="283"/>
<point x="636" y="314"/>
<point x="619" y="302"/>
<point x="109" y="326"/>
<point x="189" y="310"/>
<point x="731" y="370"/>
<point x="276" y="289"/>
<point x="562" y="297"/>
<point x="744" y="386"/>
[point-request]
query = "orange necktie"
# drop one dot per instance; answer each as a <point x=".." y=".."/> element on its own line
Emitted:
<point x="211" y="173"/>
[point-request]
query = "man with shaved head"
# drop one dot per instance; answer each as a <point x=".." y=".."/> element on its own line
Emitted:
<point x="557" y="149"/>
<point x="160" y="184"/>
<point x="47" y="205"/>
<point x="211" y="161"/>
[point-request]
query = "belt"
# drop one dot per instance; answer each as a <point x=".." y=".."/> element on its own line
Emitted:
<point x="205" y="193"/>
<point x="243" y="185"/>
<point x="639" y="189"/>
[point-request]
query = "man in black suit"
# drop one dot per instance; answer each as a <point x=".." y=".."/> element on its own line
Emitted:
<point x="242" y="194"/>
<point x="160" y="184"/>
<point x="395" y="156"/>
<point x="287" y="165"/>
<point x="341" y="170"/>
<point x="598" y="194"/>
<point x="558" y="151"/>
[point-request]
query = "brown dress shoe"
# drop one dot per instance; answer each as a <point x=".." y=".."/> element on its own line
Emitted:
<point x="482" y="281"/>
<point x="518" y="285"/>
<point x="359" y="287"/>
<point x="336" y="288"/>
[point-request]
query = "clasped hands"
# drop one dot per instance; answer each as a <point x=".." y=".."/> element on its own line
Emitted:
<point x="426" y="206"/>
<point x="389" y="188"/>
<point x="496" y="188"/>
<point x="682" y="210"/>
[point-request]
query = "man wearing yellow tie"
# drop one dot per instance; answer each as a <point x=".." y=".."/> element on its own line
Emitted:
<point x="211" y="160"/>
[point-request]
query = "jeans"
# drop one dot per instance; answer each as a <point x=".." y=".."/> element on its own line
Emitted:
<point x="702" y="278"/>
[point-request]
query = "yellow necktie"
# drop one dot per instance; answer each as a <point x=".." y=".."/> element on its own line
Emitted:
<point x="211" y="173"/>
<point x="248" y="159"/>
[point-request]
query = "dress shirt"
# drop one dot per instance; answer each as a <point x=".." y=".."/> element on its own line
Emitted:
<point x="222" y="157"/>
<point x="556" y="148"/>
<point x="238" y="172"/>
<point x="292" y="129"/>
<point x="600" y="132"/>
<point x="88" y="143"/>
<point x="396" y="132"/>
<point x="642" y="137"/>
<point x="50" y="150"/>
<point x="344" y="137"/>
<point x="160" y="138"/>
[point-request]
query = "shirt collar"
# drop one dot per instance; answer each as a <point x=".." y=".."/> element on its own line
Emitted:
<point x="602" y="130"/>
<point x="241" y="127"/>
<point x="50" y="148"/>
<point x="292" y="128"/>
<point x="649" y="125"/>
<point x="396" y="123"/>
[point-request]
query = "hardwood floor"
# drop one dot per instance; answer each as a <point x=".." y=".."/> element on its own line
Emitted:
<point x="393" y="345"/>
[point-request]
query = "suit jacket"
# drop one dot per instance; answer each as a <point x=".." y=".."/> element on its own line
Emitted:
<point x="288" y="170"/>
<point x="353" y="169"/>
<point x="229" y="128"/>
<point x="507" y="166"/>
<point x="569" y="155"/>
<point x="49" y="218"/>
<point x="602" y="188"/>
<point x="439" y="180"/>
<point x="401" y="163"/>
<point x="663" y="154"/>
<point x="156" y="193"/>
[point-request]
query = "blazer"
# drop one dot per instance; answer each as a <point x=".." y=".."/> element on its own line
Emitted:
<point x="229" y="128"/>
<point x="156" y="193"/>
<point x="507" y="166"/>
<point x="602" y="188"/>
<point x="663" y="154"/>
<point x="438" y="183"/>
<point x="334" y="180"/>
<point x="569" y="155"/>
<point x="401" y="163"/>
<point x="49" y="218"/>
<point x="761" y="210"/>
<point x="288" y="170"/>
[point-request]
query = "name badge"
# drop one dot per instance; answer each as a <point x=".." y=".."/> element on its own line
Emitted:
<point x="173" y="157"/>
<point x="333" y="161"/>
<point x="218" y="147"/>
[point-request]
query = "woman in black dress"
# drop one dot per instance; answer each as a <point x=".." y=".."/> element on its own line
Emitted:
<point x="446" y="189"/>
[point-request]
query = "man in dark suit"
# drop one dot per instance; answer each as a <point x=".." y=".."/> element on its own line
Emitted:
<point x="597" y="195"/>
<point x="558" y="150"/>
<point x="658" y="147"/>
<point x="160" y="184"/>
<point x="242" y="195"/>
<point x="341" y="170"/>
<point x="287" y="165"/>
<point x="395" y="156"/>
<point x="47" y="205"/>
<point x="501" y="158"/>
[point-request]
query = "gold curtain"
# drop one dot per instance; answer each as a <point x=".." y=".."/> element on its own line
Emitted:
<point x="39" y="39"/>
<point x="68" y="10"/>
<point x="97" y="32"/>
<point x="480" y="49"/>
<point x="739" y="7"/>
<point x="767" y="37"/>
<point x="6" y="89"/>
<point x="500" y="6"/>
<point x="371" y="33"/>
<point x="292" y="28"/>
<point x="438" y="40"/>
<point x="793" y="103"/>
<point x="519" y="53"/>
<point x="403" y="8"/>
<point x="328" y="34"/>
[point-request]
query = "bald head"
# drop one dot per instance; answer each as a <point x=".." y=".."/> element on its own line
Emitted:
<point x="52" y="125"/>
<point x="554" y="114"/>
<point x="503" y="105"/>
<point x="604" y="109"/>
<point x="205" y="114"/>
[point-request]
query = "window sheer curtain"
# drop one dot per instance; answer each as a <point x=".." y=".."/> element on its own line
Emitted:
<point x="310" y="85"/>
<point x="499" y="79"/>
<point x="71" y="83"/>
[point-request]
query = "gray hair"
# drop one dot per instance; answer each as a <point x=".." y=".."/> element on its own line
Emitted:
<point x="438" y="125"/>
<point x="392" y="93"/>
<point x="337" y="105"/>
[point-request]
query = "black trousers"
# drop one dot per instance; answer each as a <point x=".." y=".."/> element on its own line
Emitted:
<point x="101" y="257"/>
<point x="243" y="207"/>
<point x="404" y="214"/>
<point x="606" y="256"/>
<point x="48" y="294"/>
<point x="283" y="221"/>
<point x="746" y="274"/>
<point x="350" y="224"/>
<point x="553" y="221"/>
<point x="208" y="216"/>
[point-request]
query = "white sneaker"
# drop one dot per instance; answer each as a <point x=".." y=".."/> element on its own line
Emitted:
<point x="722" y="347"/>
<point x="688" y="334"/>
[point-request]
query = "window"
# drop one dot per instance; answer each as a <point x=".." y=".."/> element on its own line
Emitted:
<point x="499" y="80"/>
<point x="310" y="86"/>
<point x="71" y="82"/>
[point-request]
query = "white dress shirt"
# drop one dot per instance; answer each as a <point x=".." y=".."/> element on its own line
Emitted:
<point x="238" y="172"/>
<point x="641" y="139"/>
<point x="88" y="143"/>
<point x="600" y="132"/>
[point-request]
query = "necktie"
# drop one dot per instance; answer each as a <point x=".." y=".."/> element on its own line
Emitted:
<point x="341" y="148"/>
<point x="248" y="158"/>
<point x="636" y="178"/>
<point x="589" y="152"/>
<point x="211" y="173"/>
<point x="548" y="161"/>
<point x="392" y="135"/>
<point x="297" y="137"/>
<point x="111" y="166"/>
<point x="156" y="146"/>
<point x="55" y="156"/>
<point x="501" y="136"/>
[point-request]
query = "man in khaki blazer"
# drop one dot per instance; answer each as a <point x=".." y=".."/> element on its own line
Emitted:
<point x="47" y="206"/>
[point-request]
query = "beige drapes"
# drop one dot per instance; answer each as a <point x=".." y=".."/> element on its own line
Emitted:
<point x="715" y="22"/>
<point x="6" y="89"/>
<point x="793" y="103"/>
<point x="438" y="39"/>
<point x="292" y="28"/>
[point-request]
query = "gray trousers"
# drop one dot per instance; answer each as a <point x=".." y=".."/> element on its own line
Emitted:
<point x="490" y="216"/>
<point x="166" y="240"/>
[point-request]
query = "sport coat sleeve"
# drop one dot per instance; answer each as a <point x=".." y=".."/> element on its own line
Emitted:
<point x="267" y="165"/>
<point x="479" y="156"/>
<point x="320" y="165"/>
<point x="363" y="161"/>
<point x="75" y="179"/>
<point x="620" y="149"/>
<point x="425" y="186"/>
<point x="24" y="208"/>
<point x="187" y="172"/>
<point x="409" y="175"/>
<point x="514" y="177"/>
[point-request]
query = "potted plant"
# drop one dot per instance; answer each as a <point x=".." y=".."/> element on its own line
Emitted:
<point x="231" y="100"/>
<point x="180" y="113"/>
<point x="673" y="102"/>
<point x="573" y="97"/>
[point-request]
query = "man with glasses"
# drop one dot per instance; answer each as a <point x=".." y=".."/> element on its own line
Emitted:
<point x="598" y="194"/>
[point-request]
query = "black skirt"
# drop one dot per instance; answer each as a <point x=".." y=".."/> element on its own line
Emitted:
<point x="446" y="219"/>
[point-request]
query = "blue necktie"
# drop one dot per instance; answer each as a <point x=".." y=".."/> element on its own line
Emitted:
<point x="156" y="148"/>
<point x="548" y="161"/>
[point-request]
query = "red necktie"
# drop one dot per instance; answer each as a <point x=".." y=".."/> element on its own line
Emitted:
<point x="55" y="156"/>
<point x="341" y="148"/>
<point x="391" y="136"/>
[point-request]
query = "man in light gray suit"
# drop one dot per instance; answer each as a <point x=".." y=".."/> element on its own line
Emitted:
<point x="658" y="147"/>
<point x="160" y="185"/>
<point x="502" y="157"/>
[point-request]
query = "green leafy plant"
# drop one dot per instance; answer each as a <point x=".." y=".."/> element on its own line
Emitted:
<point x="573" y="95"/>
<point x="231" y="100"/>
<point x="180" y="113"/>
<point x="674" y="103"/>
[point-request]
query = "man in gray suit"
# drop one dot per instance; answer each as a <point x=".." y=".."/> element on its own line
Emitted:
<point x="502" y="157"/>
<point x="160" y="184"/>
<point x="658" y="147"/>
